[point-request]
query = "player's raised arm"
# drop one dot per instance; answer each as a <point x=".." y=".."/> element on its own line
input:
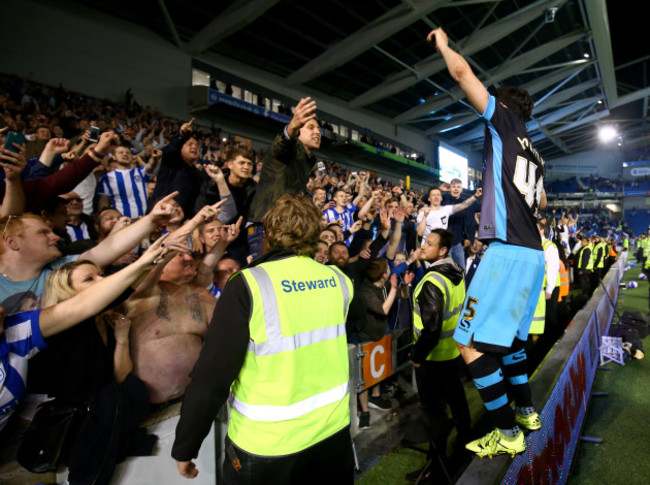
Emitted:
<point x="460" y="70"/>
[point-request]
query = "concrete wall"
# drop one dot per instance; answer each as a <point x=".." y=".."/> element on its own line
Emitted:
<point x="92" y="53"/>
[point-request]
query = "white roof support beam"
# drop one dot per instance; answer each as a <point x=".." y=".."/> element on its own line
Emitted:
<point x="470" y="45"/>
<point x="379" y="29"/>
<point x="583" y="121"/>
<point x="512" y="67"/>
<point x="561" y="113"/>
<point x="597" y="15"/>
<point x="235" y="17"/>
<point x="533" y="125"/>
<point x="629" y="98"/>
<point x="170" y="22"/>
<point x="555" y="140"/>
<point x="562" y="96"/>
<point x="533" y="87"/>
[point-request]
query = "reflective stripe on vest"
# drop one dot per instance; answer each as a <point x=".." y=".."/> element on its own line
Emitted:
<point x="295" y="410"/>
<point x="454" y="296"/>
<point x="275" y="341"/>
<point x="293" y="388"/>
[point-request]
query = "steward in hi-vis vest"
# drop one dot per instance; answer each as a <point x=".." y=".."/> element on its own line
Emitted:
<point x="546" y="310"/>
<point x="600" y="254"/>
<point x="277" y="351"/>
<point x="437" y="303"/>
<point x="584" y="265"/>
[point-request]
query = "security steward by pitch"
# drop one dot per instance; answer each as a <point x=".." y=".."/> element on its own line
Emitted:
<point x="437" y="303"/>
<point x="276" y="349"/>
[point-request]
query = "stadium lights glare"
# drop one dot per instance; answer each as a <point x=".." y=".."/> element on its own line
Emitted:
<point x="607" y="133"/>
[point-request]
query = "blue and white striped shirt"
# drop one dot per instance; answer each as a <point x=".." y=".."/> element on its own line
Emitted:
<point x="20" y="341"/>
<point x="214" y="290"/>
<point x="347" y="216"/>
<point x="127" y="190"/>
<point x="77" y="233"/>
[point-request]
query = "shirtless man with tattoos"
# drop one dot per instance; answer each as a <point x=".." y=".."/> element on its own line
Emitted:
<point x="168" y="324"/>
<point x="170" y="315"/>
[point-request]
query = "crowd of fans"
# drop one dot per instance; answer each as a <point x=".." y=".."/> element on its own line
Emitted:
<point x="163" y="206"/>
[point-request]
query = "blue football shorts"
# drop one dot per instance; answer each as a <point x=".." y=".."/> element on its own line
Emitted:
<point x="502" y="297"/>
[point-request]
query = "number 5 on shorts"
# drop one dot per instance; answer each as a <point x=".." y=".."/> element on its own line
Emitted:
<point x="470" y="311"/>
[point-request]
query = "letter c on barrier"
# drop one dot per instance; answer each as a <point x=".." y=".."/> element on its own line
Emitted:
<point x="376" y="372"/>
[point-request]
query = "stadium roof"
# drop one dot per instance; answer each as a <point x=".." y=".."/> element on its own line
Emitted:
<point x="582" y="60"/>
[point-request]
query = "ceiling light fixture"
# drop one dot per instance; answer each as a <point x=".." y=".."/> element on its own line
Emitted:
<point x="607" y="133"/>
<point x="550" y="14"/>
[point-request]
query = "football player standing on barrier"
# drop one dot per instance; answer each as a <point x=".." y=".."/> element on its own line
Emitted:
<point x="501" y="300"/>
<point x="278" y="347"/>
<point x="437" y="303"/>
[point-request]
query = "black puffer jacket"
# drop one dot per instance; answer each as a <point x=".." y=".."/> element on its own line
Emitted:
<point x="432" y="304"/>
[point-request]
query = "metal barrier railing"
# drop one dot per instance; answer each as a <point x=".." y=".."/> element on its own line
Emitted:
<point x="373" y="362"/>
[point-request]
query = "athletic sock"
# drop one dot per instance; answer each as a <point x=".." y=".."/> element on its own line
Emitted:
<point x="515" y="368"/>
<point x="524" y="410"/>
<point x="488" y="379"/>
<point x="510" y="433"/>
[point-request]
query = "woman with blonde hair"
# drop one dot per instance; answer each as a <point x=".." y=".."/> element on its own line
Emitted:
<point x="22" y="334"/>
<point x="90" y="364"/>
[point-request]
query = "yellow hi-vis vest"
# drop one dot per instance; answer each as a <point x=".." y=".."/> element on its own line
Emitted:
<point x="454" y="298"/>
<point x="590" y="263"/>
<point x="292" y="390"/>
<point x="646" y="252"/>
<point x="539" y="319"/>
<point x="537" y="325"/>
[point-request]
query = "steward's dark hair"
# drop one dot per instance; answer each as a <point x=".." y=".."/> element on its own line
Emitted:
<point x="446" y="238"/>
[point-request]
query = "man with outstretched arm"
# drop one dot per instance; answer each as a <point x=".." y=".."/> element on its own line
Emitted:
<point x="292" y="159"/>
<point x="502" y="297"/>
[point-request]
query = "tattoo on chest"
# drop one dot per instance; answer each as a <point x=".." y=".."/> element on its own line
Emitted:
<point x="163" y="306"/>
<point x="195" y="307"/>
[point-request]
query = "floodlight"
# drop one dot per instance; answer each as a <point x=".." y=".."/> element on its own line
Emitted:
<point x="607" y="133"/>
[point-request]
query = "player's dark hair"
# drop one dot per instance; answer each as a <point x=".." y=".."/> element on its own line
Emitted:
<point x="517" y="100"/>
<point x="446" y="238"/>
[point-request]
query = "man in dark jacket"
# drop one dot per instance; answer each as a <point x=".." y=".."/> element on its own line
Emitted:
<point x="584" y="266"/>
<point x="437" y="302"/>
<point x="177" y="171"/>
<point x="292" y="159"/>
<point x="237" y="181"/>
